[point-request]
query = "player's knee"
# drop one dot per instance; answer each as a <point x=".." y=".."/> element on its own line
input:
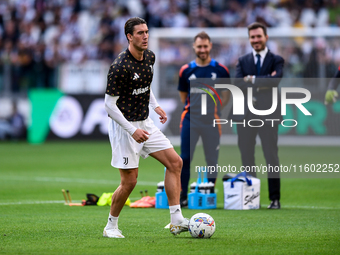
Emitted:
<point x="177" y="164"/>
<point x="180" y="162"/>
<point x="129" y="184"/>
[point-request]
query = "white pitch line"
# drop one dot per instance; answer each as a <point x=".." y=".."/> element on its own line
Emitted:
<point x="70" y="180"/>
<point x="309" y="207"/>
<point x="297" y="207"/>
<point x="30" y="202"/>
<point x="35" y="202"/>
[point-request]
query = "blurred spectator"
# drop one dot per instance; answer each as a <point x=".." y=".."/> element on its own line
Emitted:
<point x="234" y="15"/>
<point x="175" y="18"/>
<point x="334" y="12"/>
<point x="320" y="62"/>
<point x="117" y="25"/>
<point x="314" y="14"/>
<point x="23" y="69"/>
<point x="37" y="36"/>
<point x="13" y="127"/>
<point x="294" y="60"/>
<point x="201" y="14"/>
<point x="287" y="13"/>
<point x="154" y="11"/>
<point x="11" y="32"/>
<point x="260" y="11"/>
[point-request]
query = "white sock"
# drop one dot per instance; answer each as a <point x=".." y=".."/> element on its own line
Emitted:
<point x="112" y="222"/>
<point x="175" y="214"/>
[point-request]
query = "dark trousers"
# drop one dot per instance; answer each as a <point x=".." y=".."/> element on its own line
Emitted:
<point x="269" y="137"/>
<point x="189" y="138"/>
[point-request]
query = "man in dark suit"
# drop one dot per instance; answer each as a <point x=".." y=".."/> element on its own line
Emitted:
<point x="260" y="70"/>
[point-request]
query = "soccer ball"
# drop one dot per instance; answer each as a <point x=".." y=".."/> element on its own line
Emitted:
<point x="202" y="225"/>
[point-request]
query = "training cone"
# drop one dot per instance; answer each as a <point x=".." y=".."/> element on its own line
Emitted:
<point x="144" y="202"/>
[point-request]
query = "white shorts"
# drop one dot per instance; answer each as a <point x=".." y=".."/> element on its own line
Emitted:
<point x="126" y="151"/>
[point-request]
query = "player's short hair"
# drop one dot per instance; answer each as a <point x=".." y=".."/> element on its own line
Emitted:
<point x="131" y="23"/>
<point x="202" y="35"/>
<point x="257" y="25"/>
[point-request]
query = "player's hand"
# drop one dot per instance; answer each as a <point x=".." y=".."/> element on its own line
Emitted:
<point x="273" y="73"/>
<point x="331" y="96"/>
<point x="163" y="118"/>
<point x="140" y="135"/>
<point x="247" y="78"/>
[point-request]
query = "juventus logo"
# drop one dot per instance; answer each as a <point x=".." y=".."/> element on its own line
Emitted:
<point x="135" y="77"/>
<point x="126" y="160"/>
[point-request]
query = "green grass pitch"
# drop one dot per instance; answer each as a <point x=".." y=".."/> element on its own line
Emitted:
<point x="33" y="219"/>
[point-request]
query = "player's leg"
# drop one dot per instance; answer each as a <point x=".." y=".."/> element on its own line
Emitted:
<point x="173" y="163"/>
<point x="128" y="180"/>
<point x="172" y="183"/>
<point x="211" y="145"/>
<point x="126" y="160"/>
<point x="160" y="148"/>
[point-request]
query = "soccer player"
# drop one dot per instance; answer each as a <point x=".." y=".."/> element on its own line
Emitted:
<point x="331" y="93"/>
<point x="132" y="133"/>
<point x="201" y="126"/>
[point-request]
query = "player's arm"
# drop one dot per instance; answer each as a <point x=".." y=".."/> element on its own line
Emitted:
<point x="225" y="96"/>
<point x="155" y="106"/>
<point x="153" y="101"/>
<point x="183" y="86"/>
<point x="183" y="96"/>
<point x="331" y="93"/>
<point x="112" y="109"/>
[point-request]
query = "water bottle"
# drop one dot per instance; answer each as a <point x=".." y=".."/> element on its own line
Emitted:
<point x="193" y="187"/>
<point x="202" y="188"/>
<point x="210" y="188"/>
<point x="160" y="186"/>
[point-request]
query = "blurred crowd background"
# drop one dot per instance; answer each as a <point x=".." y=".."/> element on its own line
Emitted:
<point x="37" y="36"/>
<point x="70" y="44"/>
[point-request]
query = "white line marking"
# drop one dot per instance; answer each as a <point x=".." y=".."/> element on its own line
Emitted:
<point x="36" y="202"/>
<point x="296" y="207"/>
<point x="71" y="180"/>
<point x="309" y="207"/>
<point x="30" y="202"/>
<point x="78" y="180"/>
